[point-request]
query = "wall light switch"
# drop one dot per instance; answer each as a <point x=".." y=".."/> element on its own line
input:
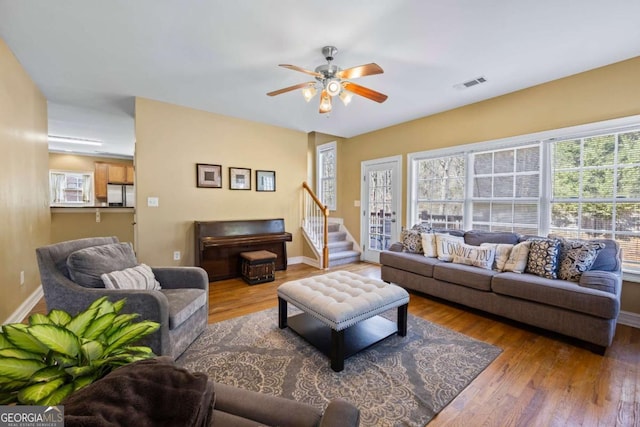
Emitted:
<point x="97" y="215"/>
<point x="152" y="202"/>
<point x="21" y="278"/>
<point x="356" y="203"/>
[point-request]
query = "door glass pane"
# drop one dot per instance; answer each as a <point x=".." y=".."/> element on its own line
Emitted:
<point x="380" y="215"/>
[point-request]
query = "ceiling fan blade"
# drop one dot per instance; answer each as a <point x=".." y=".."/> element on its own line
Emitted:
<point x="364" y="91"/>
<point x="290" y="88"/>
<point x="302" y="70"/>
<point x="360" y="71"/>
<point x="325" y="102"/>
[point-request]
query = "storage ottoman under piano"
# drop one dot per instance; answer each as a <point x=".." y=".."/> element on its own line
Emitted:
<point x="258" y="266"/>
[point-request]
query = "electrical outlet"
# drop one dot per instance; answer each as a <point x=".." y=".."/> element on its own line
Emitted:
<point x="176" y="256"/>
<point x="97" y="216"/>
<point x="152" y="202"/>
<point x="21" y="278"/>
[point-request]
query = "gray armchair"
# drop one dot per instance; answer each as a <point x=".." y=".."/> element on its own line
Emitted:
<point x="181" y="306"/>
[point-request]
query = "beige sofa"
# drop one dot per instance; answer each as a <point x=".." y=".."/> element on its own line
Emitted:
<point x="586" y="309"/>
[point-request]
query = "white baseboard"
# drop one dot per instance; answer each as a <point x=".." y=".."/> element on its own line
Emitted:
<point x="26" y="307"/>
<point x="295" y="260"/>
<point x="630" y="319"/>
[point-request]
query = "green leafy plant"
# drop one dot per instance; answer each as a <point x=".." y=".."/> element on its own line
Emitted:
<point x="46" y="360"/>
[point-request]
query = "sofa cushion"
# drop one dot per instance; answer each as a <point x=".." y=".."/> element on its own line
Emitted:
<point x="602" y="280"/>
<point x="414" y="263"/>
<point x="576" y="257"/>
<point x="478" y="256"/>
<point x="87" y="265"/>
<point x="446" y="245"/>
<point x="183" y="303"/>
<point x="608" y="258"/>
<point x="465" y="275"/>
<point x="503" y="250"/>
<point x="543" y="257"/>
<point x="429" y="247"/>
<point x="557" y="293"/>
<point x="411" y="241"/>
<point x="477" y="237"/>
<point x="518" y="258"/>
<point x="138" y="277"/>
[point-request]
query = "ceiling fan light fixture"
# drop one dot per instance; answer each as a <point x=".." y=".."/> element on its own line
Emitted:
<point x="346" y="97"/>
<point x="325" y="102"/>
<point x="309" y="92"/>
<point x="333" y="87"/>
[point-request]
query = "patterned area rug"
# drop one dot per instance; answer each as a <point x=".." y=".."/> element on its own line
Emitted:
<point x="399" y="381"/>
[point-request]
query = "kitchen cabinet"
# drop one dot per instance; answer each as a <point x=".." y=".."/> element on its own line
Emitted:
<point x="111" y="173"/>
<point x="101" y="177"/>
<point x="120" y="174"/>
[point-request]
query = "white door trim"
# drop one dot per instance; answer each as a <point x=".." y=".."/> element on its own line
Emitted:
<point x="397" y="188"/>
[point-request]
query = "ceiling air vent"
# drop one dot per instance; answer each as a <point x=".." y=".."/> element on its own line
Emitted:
<point x="470" y="83"/>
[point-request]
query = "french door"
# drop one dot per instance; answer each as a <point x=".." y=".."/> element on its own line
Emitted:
<point x="380" y="205"/>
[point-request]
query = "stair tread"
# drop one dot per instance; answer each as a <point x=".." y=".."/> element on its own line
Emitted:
<point x="343" y="254"/>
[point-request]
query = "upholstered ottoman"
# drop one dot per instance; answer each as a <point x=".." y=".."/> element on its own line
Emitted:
<point x="340" y="312"/>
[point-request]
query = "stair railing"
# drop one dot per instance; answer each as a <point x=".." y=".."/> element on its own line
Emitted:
<point x="315" y="221"/>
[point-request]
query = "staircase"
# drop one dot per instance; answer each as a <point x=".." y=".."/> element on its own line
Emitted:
<point x="341" y="249"/>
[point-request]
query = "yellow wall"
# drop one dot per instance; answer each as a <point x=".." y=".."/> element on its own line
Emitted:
<point x="600" y="94"/>
<point x="24" y="210"/>
<point x="170" y="140"/>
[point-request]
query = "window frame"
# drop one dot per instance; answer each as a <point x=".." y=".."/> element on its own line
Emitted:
<point x="543" y="139"/>
<point x="320" y="151"/>
<point x="91" y="200"/>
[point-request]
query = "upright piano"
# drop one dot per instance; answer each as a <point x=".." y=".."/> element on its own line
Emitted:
<point x="219" y="244"/>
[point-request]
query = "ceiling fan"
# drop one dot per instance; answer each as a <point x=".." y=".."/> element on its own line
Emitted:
<point x="334" y="81"/>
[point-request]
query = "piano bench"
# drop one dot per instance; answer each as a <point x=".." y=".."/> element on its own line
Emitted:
<point x="258" y="266"/>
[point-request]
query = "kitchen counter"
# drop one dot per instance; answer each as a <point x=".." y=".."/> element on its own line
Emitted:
<point x="92" y="209"/>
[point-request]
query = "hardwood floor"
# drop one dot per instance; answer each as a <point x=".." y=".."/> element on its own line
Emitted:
<point x="540" y="379"/>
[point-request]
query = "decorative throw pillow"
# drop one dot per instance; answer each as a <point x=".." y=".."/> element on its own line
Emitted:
<point x="411" y="241"/>
<point x="518" y="258"/>
<point x="87" y="265"/>
<point x="543" y="258"/>
<point x="478" y="256"/>
<point x="446" y="246"/>
<point x="503" y="250"/>
<point x="422" y="228"/>
<point x="138" y="277"/>
<point x="429" y="245"/>
<point x="576" y="257"/>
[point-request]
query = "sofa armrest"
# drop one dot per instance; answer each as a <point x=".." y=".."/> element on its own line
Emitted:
<point x="396" y="247"/>
<point x="181" y="277"/>
<point x="340" y="413"/>
<point x="602" y="280"/>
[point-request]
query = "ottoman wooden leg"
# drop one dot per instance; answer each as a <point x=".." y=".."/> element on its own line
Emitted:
<point x="337" y="350"/>
<point x="402" y="320"/>
<point x="282" y="313"/>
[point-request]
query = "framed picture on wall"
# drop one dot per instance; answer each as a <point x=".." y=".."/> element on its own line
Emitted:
<point x="239" y="179"/>
<point x="265" y="180"/>
<point x="208" y="176"/>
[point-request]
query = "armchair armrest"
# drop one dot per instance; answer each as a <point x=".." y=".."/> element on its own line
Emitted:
<point x="181" y="277"/>
<point x="340" y="413"/>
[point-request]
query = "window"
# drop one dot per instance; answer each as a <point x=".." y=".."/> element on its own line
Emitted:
<point x="70" y="188"/>
<point x="326" y="167"/>
<point x="506" y="189"/>
<point x="440" y="191"/>
<point x="586" y="185"/>
<point x="596" y="190"/>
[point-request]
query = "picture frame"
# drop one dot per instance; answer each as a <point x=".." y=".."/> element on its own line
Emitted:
<point x="239" y="179"/>
<point x="265" y="180"/>
<point x="208" y="175"/>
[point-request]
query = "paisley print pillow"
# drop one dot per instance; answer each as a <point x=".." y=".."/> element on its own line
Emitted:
<point x="576" y="257"/>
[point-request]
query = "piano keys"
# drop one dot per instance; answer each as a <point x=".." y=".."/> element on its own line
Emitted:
<point x="218" y="244"/>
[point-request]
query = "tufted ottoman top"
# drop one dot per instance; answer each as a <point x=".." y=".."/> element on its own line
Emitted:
<point x="341" y="299"/>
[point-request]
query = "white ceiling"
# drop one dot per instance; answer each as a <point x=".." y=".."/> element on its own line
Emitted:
<point x="91" y="58"/>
